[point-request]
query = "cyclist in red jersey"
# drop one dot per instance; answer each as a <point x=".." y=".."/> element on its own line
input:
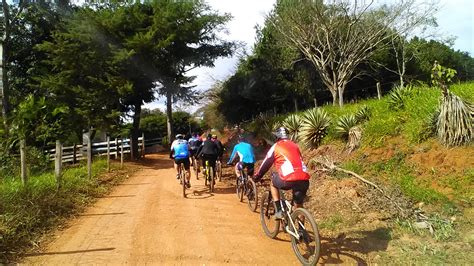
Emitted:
<point x="291" y="170"/>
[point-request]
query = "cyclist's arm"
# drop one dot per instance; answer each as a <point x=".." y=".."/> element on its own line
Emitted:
<point x="171" y="153"/>
<point x="267" y="163"/>
<point x="232" y="155"/>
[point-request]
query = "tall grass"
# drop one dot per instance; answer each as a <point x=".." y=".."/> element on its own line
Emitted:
<point x="28" y="210"/>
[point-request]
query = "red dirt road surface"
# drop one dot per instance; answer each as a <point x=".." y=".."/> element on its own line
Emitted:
<point x="145" y="220"/>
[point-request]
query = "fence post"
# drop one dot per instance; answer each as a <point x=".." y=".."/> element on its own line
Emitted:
<point x="116" y="148"/>
<point x="108" y="153"/>
<point x="89" y="154"/>
<point x="121" y="153"/>
<point x="74" y="156"/>
<point x="132" y="153"/>
<point x="58" y="163"/>
<point x="23" y="161"/>
<point x="315" y="102"/>
<point x="143" y="145"/>
<point x="379" y="91"/>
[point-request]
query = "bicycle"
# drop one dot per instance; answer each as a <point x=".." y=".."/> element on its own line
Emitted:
<point x="182" y="177"/>
<point x="246" y="186"/>
<point x="298" y="223"/>
<point x="209" y="176"/>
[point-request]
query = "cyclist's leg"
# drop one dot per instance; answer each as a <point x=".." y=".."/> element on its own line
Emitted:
<point x="212" y="163"/>
<point x="175" y="161"/>
<point x="250" y="169"/>
<point x="187" y="168"/>
<point x="299" y="189"/>
<point x="237" y="169"/>
<point x="276" y="184"/>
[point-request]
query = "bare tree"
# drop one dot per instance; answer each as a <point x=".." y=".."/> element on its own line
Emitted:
<point x="336" y="36"/>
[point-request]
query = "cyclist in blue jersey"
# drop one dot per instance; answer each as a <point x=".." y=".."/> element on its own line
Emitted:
<point x="180" y="154"/>
<point x="246" y="155"/>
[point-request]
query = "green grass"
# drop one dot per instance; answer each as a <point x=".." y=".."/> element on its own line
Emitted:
<point x="331" y="223"/>
<point x="28" y="210"/>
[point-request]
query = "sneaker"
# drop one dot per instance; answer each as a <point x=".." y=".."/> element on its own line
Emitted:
<point x="177" y="176"/>
<point x="188" y="184"/>
<point x="278" y="215"/>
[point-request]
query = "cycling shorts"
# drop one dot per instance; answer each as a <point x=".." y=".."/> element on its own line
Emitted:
<point x="249" y="166"/>
<point x="299" y="187"/>
<point x="184" y="161"/>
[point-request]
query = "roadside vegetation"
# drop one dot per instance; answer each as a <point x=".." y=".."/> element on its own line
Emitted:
<point x="29" y="211"/>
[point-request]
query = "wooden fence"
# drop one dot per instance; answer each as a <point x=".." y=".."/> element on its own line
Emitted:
<point x="75" y="153"/>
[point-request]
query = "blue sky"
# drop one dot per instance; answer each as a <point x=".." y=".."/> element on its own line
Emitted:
<point x="455" y="19"/>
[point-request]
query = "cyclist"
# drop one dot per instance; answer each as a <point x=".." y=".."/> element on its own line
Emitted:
<point x="180" y="154"/>
<point x="246" y="155"/>
<point x="208" y="151"/>
<point x="219" y="146"/>
<point x="194" y="144"/>
<point x="292" y="173"/>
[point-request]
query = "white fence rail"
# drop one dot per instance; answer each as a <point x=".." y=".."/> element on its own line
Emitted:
<point x="76" y="153"/>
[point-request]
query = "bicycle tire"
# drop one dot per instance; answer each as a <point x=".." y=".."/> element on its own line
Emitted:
<point x="252" y="195"/>
<point x="308" y="236"/>
<point x="267" y="210"/>
<point x="183" y="179"/>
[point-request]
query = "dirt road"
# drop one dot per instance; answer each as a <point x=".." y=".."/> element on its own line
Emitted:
<point x="146" y="220"/>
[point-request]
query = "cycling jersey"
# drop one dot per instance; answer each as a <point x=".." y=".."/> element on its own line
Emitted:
<point x="180" y="149"/>
<point x="209" y="148"/>
<point x="288" y="161"/>
<point x="194" y="143"/>
<point x="245" y="152"/>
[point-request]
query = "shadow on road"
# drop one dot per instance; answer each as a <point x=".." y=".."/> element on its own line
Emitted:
<point x="68" y="252"/>
<point x="337" y="250"/>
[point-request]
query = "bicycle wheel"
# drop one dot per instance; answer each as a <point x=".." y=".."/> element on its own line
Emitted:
<point x="183" y="179"/>
<point x="307" y="247"/>
<point x="252" y="196"/>
<point x="267" y="210"/>
<point x="211" y="180"/>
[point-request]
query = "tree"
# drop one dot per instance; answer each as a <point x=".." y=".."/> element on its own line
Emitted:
<point x="337" y="36"/>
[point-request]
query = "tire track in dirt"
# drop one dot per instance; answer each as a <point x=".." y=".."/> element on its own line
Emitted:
<point x="145" y="220"/>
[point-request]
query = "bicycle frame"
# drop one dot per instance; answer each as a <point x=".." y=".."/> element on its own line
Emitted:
<point x="288" y="208"/>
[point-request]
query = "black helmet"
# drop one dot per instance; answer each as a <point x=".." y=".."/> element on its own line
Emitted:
<point x="281" y="133"/>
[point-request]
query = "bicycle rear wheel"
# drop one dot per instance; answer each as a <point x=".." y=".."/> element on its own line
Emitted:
<point x="252" y="195"/>
<point x="307" y="247"/>
<point x="270" y="226"/>
<point x="195" y="168"/>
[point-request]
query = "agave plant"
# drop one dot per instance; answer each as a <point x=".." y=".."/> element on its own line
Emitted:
<point x="398" y="95"/>
<point x="455" y="125"/>
<point x="363" y="114"/>
<point x="344" y="124"/>
<point x="315" y="123"/>
<point x="293" y="124"/>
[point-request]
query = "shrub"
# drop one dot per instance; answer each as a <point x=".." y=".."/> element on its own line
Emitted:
<point x="344" y="124"/>
<point x="398" y="96"/>
<point x="315" y="123"/>
<point x="293" y="124"/>
<point x="455" y="125"/>
<point x="363" y="114"/>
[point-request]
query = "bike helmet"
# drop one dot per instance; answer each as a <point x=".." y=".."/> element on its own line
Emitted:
<point x="281" y="133"/>
<point x="179" y="136"/>
<point x="214" y="136"/>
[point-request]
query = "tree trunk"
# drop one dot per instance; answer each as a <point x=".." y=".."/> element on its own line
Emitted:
<point x="169" y="117"/>
<point x="135" y="131"/>
<point x="334" y="95"/>
<point x="379" y="90"/>
<point x="315" y="102"/>
<point x="4" y="51"/>
<point x="295" y="101"/>
<point x="341" y="96"/>
<point x="24" y="178"/>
